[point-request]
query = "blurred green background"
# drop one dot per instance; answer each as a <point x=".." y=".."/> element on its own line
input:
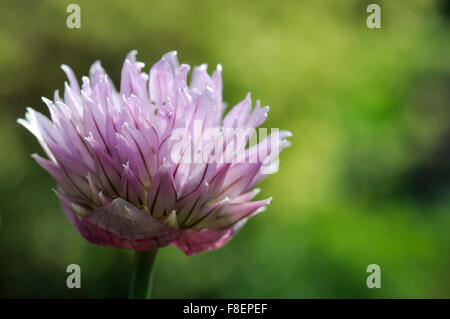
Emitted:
<point x="367" y="179"/>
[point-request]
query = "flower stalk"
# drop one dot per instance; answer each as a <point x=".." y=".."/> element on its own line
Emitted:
<point x="142" y="280"/>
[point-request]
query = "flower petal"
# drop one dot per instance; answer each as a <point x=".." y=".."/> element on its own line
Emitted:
<point x="194" y="241"/>
<point x="162" y="195"/>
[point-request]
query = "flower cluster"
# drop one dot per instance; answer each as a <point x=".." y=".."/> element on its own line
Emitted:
<point x="110" y="151"/>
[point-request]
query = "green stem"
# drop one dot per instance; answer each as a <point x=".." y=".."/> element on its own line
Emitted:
<point x="142" y="281"/>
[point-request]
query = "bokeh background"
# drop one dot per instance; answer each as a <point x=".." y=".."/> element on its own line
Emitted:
<point x="365" y="181"/>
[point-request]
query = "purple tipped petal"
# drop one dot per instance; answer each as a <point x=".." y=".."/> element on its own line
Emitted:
<point x="235" y="212"/>
<point x="238" y="113"/>
<point x="72" y="78"/>
<point x="133" y="81"/>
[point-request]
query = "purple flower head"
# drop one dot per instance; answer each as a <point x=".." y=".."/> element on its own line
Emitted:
<point x="155" y="163"/>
